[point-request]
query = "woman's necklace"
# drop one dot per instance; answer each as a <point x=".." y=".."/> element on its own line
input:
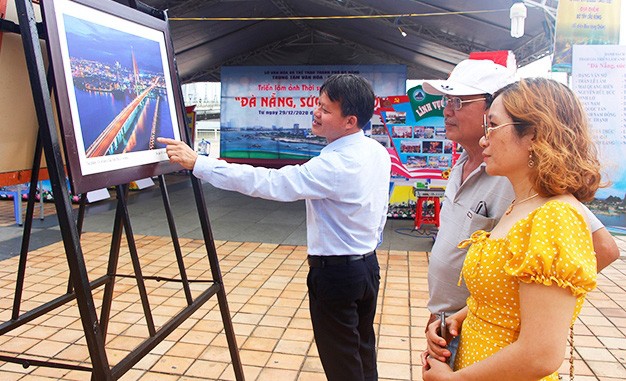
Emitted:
<point x="513" y="203"/>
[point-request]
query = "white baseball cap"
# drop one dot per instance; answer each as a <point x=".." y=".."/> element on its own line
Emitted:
<point x="471" y="77"/>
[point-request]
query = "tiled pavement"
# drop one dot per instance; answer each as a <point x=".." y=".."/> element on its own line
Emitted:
<point x="268" y="303"/>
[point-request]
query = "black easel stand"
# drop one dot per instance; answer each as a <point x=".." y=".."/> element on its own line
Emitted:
<point x="79" y="287"/>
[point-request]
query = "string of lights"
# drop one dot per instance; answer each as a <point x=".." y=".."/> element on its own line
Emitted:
<point x="344" y="17"/>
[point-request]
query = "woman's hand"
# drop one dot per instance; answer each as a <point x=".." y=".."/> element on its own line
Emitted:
<point x="435" y="344"/>
<point x="435" y="370"/>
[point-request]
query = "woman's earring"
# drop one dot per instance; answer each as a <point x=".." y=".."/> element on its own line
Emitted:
<point x="531" y="161"/>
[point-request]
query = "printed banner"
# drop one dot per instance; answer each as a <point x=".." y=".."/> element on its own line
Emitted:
<point x="599" y="79"/>
<point x="266" y="112"/>
<point x="580" y="22"/>
<point x="411" y="127"/>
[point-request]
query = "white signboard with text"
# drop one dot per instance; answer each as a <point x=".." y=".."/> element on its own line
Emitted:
<point x="599" y="80"/>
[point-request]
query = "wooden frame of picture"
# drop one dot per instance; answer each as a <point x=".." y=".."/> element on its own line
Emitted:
<point x="116" y="88"/>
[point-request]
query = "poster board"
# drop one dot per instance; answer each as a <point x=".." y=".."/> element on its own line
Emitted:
<point x="412" y="129"/>
<point x="267" y="111"/>
<point x="18" y="120"/>
<point x="117" y="91"/>
<point x="599" y="80"/>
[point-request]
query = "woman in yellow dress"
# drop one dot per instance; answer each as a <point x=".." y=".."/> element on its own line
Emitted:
<point x="529" y="276"/>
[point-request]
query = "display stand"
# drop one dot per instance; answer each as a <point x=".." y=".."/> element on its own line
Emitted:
<point x="79" y="286"/>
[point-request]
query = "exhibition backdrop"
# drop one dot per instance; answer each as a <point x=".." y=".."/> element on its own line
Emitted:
<point x="599" y="79"/>
<point x="411" y="127"/>
<point x="266" y="112"/>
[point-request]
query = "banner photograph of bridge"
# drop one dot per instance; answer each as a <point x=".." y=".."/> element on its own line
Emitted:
<point x="119" y="88"/>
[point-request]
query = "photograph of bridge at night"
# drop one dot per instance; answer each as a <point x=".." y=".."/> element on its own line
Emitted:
<point x="119" y="87"/>
<point x="136" y="126"/>
<point x="117" y="91"/>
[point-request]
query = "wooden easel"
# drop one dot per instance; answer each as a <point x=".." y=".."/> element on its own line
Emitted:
<point x="79" y="287"/>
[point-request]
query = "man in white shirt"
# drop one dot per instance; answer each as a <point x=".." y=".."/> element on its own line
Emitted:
<point x="346" y="189"/>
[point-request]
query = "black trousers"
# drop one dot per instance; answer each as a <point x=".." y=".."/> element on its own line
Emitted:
<point x="342" y="302"/>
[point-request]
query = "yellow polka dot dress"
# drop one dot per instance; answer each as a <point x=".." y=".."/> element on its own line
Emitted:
<point x="552" y="245"/>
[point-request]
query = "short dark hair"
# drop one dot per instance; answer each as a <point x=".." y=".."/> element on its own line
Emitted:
<point x="354" y="93"/>
<point x="488" y="100"/>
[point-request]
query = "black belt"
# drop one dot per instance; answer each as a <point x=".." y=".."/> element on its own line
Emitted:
<point x="335" y="260"/>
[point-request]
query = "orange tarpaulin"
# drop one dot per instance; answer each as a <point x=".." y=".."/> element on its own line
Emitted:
<point x="20" y="177"/>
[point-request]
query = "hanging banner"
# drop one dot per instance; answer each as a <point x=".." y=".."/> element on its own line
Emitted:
<point x="588" y="22"/>
<point x="266" y="111"/>
<point x="599" y="79"/>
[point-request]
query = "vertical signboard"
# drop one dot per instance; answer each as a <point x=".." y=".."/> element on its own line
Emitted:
<point x="599" y="79"/>
<point x="581" y="22"/>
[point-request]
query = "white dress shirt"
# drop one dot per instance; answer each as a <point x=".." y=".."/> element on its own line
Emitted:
<point x="346" y="189"/>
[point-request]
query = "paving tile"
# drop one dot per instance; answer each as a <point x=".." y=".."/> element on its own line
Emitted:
<point x="292" y="347"/>
<point x="608" y="369"/>
<point x="620" y="355"/>
<point x="147" y="361"/>
<point x="595" y="354"/>
<point x="298" y="334"/>
<point x="393" y="342"/>
<point x="155" y="376"/>
<point x="253" y="357"/>
<point x="308" y="376"/>
<point x="216" y="353"/>
<point x="394" y="356"/>
<point x="394" y="371"/>
<point x="206" y="369"/>
<point x="172" y="365"/>
<point x="606" y="331"/>
<point x="267" y="297"/>
<point x="19" y="344"/>
<point x="186" y="350"/>
<point x="260" y="344"/>
<point x="268" y="332"/>
<point x="285" y="361"/>
<point x="10" y="376"/>
<point x="613" y="342"/>
<point x="270" y="374"/>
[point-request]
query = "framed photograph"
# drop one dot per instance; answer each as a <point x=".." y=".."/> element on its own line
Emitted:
<point x="117" y="91"/>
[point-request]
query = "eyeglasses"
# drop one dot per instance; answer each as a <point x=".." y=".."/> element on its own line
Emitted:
<point x="457" y="103"/>
<point x="489" y="129"/>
